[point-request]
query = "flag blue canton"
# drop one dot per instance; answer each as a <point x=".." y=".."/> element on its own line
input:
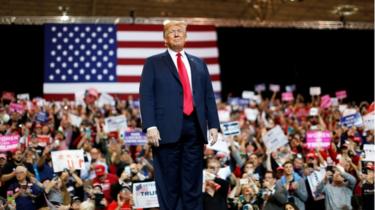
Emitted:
<point x="76" y="53"/>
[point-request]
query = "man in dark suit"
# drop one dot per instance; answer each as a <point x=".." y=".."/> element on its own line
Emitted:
<point x="177" y="106"/>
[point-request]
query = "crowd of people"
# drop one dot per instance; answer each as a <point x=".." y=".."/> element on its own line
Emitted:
<point x="246" y="176"/>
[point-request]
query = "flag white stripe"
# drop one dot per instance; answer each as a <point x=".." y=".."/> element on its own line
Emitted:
<point x="152" y="36"/>
<point x="136" y="70"/>
<point x="211" y="52"/>
<point x="128" y="87"/>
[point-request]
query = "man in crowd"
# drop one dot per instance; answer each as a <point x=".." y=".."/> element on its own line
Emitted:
<point x="337" y="187"/>
<point x="291" y="187"/>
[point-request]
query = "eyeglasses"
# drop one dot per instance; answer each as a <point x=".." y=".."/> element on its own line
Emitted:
<point x="213" y="167"/>
<point x="176" y="31"/>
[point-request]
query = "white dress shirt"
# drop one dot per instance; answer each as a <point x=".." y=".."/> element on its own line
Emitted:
<point x="185" y="60"/>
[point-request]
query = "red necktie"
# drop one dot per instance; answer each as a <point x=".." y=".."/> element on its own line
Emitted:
<point x="188" y="98"/>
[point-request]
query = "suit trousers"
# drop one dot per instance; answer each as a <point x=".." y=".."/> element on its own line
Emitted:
<point x="178" y="169"/>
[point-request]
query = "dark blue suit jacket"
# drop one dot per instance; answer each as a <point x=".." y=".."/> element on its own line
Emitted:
<point x="161" y="97"/>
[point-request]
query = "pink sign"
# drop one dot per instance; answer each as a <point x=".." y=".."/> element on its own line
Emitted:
<point x="14" y="107"/>
<point x="318" y="139"/>
<point x="341" y="94"/>
<point x="287" y="96"/>
<point x="325" y="101"/>
<point x="9" y="142"/>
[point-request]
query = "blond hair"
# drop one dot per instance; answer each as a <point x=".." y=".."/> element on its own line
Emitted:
<point x="169" y="23"/>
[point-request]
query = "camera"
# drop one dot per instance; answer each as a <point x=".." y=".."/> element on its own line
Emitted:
<point x="98" y="197"/>
<point x="330" y="178"/>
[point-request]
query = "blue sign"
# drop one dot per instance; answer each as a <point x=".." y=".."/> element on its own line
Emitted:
<point x="352" y="120"/>
<point x="135" y="138"/>
<point x="230" y="128"/>
<point x="42" y="117"/>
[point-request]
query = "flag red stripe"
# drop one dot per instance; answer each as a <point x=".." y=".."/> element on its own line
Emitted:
<point x="128" y="44"/>
<point x="134" y="27"/>
<point x="214" y="77"/>
<point x="141" y="61"/>
<point x="60" y="97"/>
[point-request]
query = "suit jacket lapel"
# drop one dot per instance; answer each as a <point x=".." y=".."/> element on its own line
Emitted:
<point x="169" y="62"/>
<point x="194" y="73"/>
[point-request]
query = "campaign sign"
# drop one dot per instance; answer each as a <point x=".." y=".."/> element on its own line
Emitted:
<point x="247" y="94"/>
<point x="115" y="123"/>
<point x="135" y="138"/>
<point x="14" y="107"/>
<point x="369" y="121"/>
<point x="290" y="88"/>
<point x="325" y="101"/>
<point x="144" y="195"/>
<point x="230" y="128"/>
<point x="352" y="120"/>
<point x="9" y="142"/>
<point x="320" y="139"/>
<point x="23" y="96"/>
<point x="274" y="88"/>
<point x="274" y="139"/>
<point x="369" y="150"/>
<point x="42" y="117"/>
<point x="260" y="87"/>
<point x="315" y="91"/>
<point x="341" y="94"/>
<point x="66" y="159"/>
<point x="287" y="96"/>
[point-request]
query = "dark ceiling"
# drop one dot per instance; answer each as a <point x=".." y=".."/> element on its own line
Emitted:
<point x="271" y="10"/>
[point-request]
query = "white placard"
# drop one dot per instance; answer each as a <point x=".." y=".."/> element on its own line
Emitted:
<point x="369" y="121"/>
<point x="106" y="99"/>
<point x="23" y="96"/>
<point x="315" y="91"/>
<point x="248" y="94"/>
<point x="251" y="114"/>
<point x="274" y="139"/>
<point x="144" y="195"/>
<point x="369" y="150"/>
<point x="66" y="159"/>
<point x="314" y="179"/>
<point x="334" y="101"/>
<point x="314" y="111"/>
<point x="342" y="108"/>
<point x="78" y="97"/>
<point x="347" y="112"/>
<point x="274" y="88"/>
<point x="221" y="144"/>
<point x="116" y="123"/>
<point x="224" y="115"/>
<point x="75" y="120"/>
<point x="230" y="128"/>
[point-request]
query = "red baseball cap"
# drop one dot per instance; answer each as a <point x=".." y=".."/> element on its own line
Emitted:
<point x="99" y="170"/>
<point x="311" y="155"/>
<point x="357" y="139"/>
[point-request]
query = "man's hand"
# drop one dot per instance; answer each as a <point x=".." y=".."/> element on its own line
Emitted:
<point x="213" y="135"/>
<point x="153" y="136"/>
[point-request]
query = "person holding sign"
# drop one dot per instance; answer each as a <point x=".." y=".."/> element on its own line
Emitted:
<point x="177" y="105"/>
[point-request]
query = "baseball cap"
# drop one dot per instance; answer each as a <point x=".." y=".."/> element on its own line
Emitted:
<point x="311" y="155"/>
<point x="99" y="170"/>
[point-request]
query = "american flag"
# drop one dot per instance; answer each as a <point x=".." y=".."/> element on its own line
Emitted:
<point x="110" y="57"/>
